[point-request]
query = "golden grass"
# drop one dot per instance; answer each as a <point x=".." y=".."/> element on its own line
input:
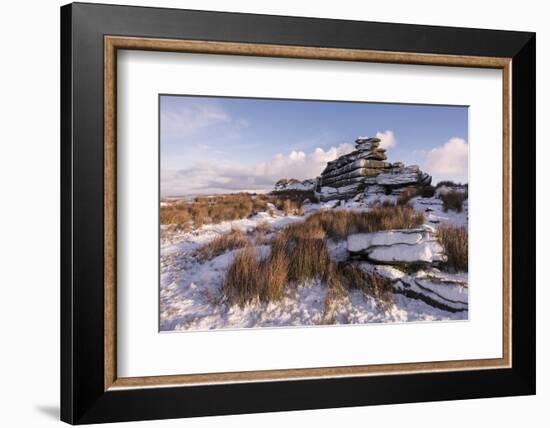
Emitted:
<point x="290" y="207"/>
<point x="344" y="277"/>
<point x="216" y="209"/>
<point x="273" y="276"/>
<point x="263" y="227"/>
<point x="287" y="207"/>
<point x="305" y="247"/>
<point x="350" y="277"/>
<point x="298" y="253"/>
<point x="338" y="224"/>
<point x="221" y="244"/>
<point x="213" y="209"/>
<point x="172" y="215"/>
<point x="262" y="231"/>
<point x="406" y="195"/>
<point x="336" y="290"/>
<point x="337" y="285"/>
<point x="309" y="259"/>
<point x="241" y="283"/>
<point x="453" y="200"/>
<point x="249" y="279"/>
<point x="455" y="243"/>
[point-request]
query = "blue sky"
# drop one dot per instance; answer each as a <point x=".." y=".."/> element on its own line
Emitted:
<point x="218" y="145"/>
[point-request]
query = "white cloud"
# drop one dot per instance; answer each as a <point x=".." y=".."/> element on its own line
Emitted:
<point x="449" y="161"/>
<point x="184" y="120"/>
<point x="387" y="139"/>
<point x="223" y="177"/>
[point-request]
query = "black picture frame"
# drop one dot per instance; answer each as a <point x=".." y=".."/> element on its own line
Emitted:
<point x="83" y="398"/>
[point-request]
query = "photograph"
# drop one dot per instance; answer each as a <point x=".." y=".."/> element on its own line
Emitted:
<point x="269" y="210"/>
<point x="282" y="212"/>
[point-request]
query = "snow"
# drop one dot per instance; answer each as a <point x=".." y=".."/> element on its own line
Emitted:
<point x="434" y="214"/>
<point x="442" y="190"/>
<point x="425" y="252"/>
<point x="191" y="289"/>
<point x="398" y="246"/>
<point x="362" y="241"/>
<point x="455" y="292"/>
<point x="306" y="185"/>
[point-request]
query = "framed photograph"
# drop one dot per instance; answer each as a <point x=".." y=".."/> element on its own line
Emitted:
<point x="265" y="213"/>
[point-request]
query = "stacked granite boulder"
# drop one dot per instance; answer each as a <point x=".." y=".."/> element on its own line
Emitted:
<point x="285" y="185"/>
<point x="365" y="171"/>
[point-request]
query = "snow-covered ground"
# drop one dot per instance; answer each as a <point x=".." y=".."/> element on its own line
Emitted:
<point x="191" y="295"/>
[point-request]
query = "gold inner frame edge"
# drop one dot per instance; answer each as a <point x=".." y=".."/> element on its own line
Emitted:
<point x="113" y="43"/>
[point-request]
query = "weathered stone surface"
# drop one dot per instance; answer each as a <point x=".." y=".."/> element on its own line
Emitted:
<point x="359" y="242"/>
<point x="436" y="289"/>
<point x="345" y="182"/>
<point x="361" y="172"/>
<point x="361" y="140"/>
<point x="408" y="175"/>
<point x="380" y="154"/>
<point x="375" y="190"/>
<point x="425" y="179"/>
<point x="403" y="246"/>
<point x="359" y="163"/>
<point x="377" y="155"/>
<point x="445" y="291"/>
<point x="423" y="252"/>
<point x="347" y="191"/>
<point x="368" y="146"/>
<point x="292" y="184"/>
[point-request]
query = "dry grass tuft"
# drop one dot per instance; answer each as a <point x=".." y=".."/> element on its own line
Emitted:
<point x="455" y="243"/>
<point x="338" y="224"/>
<point x="263" y="227"/>
<point x="385" y="217"/>
<point x="273" y="275"/>
<point x="371" y="284"/>
<point x="221" y="244"/>
<point x="218" y="208"/>
<point x="453" y="201"/>
<point x="337" y="285"/>
<point x="250" y="280"/>
<point x="297" y="254"/>
<point x="380" y="288"/>
<point x="241" y="283"/>
<point x="336" y="290"/>
<point x="309" y="259"/>
<point x="287" y="207"/>
<point x="347" y="276"/>
<point x="409" y="193"/>
<point x="214" y="209"/>
<point x="406" y="195"/>
<point x="173" y="215"/>
<point x="306" y="230"/>
<point x="305" y="247"/>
